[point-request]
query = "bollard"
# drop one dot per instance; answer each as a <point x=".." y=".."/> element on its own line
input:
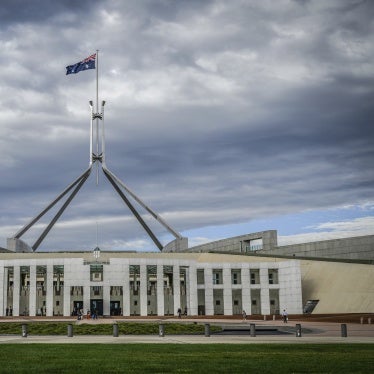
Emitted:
<point x="24" y="331"/>
<point x="252" y="329"/>
<point x="207" y="330"/>
<point x="344" y="330"/>
<point x="298" y="330"/>
<point x="369" y="321"/>
<point x="273" y="317"/>
<point x="362" y="320"/>
<point x="70" y="330"/>
<point x="265" y="318"/>
<point x="161" y="330"/>
<point x="115" y="330"/>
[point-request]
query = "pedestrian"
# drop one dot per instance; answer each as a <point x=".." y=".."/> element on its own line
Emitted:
<point x="244" y="314"/>
<point x="285" y="316"/>
<point x="179" y="312"/>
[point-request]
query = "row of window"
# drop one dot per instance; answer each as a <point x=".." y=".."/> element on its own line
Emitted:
<point x="97" y="272"/>
<point x="236" y="276"/>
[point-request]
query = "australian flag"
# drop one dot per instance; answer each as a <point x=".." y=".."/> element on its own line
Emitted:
<point x="87" y="63"/>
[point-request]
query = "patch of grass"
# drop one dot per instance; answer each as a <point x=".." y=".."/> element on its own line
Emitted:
<point x="127" y="328"/>
<point x="182" y="358"/>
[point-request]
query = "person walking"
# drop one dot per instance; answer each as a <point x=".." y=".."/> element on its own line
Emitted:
<point x="285" y="316"/>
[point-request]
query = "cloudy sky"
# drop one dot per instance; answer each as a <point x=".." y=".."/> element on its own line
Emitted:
<point x="225" y="117"/>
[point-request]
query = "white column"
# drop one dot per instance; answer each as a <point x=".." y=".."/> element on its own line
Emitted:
<point x="67" y="307"/>
<point x="208" y="277"/>
<point x="49" y="295"/>
<point x="143" y="290"/>
<point x="126" y="290"/>
<point x="176" y="288"/>
<point x="32" y="292"/>
<point x="86" y="298"/>
<point x="246" y="293"/>
<point x="264" y="283"/>
<point x="16" y="289"/>
<point x="106" y="300"/>
<point x="192" y="308"/>
<point x="160" y="291"/>
<point x="227" y="292"/>
<point x="3" y="297"/>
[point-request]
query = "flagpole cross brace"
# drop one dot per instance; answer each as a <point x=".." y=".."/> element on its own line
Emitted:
<point x="18" y="245"/>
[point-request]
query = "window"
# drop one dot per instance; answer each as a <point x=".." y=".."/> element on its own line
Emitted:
<point x="254" y="245"/>
<point x="200" y="276"/>
<point x="96" y="271"/>
<point x="255" y="276"/>
<point x="218" y="302"/>
<point x="236" y="276"/>
<point x="273" y="276"/>
<point x="217" y="276"/>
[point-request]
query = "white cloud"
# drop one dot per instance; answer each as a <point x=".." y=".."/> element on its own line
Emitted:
<point x="332" y="230"/>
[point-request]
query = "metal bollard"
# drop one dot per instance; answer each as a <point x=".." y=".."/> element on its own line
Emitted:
<point x="362" y="320"/>
<point x="70" y="330"/>
<point x="161" y="330"/>
<point x="252" y="329"/>
<point x="115" y="330"/>
<point x="369" y="321"/>
<point x="273" y="317"/>
<point x="264" y="317"/>
<point x="207" y="330"/>
<point x="298" y="330"/>
<point x="344" y="330"/>
<point x="24" y="331"/>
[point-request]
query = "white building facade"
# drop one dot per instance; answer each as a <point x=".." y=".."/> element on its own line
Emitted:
<point x="146" y="284"/>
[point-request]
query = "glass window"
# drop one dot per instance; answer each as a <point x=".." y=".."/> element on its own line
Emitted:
<point x="200" y="276"/>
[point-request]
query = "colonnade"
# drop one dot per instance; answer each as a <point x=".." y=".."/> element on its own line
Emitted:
<point x="207" y="296"/>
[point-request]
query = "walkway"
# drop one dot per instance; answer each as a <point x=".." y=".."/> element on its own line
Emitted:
<point x="312" y="332"/>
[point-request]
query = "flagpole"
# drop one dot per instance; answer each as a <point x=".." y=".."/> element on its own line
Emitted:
<point x="97" y="111"/>
<point x="97" y="79"/>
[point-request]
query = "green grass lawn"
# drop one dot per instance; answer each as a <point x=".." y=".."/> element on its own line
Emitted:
<point x="126" y="328"/>
<point x="183" y="358"/>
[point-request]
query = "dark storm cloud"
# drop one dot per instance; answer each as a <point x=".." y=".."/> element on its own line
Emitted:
<point x="217" y="112"/>
<point x="20" y="11"/>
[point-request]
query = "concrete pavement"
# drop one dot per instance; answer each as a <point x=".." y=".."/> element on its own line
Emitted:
<point x="312" y="332"/>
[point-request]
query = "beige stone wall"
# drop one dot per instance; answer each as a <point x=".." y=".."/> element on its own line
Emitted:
<point x="340" y="287"/>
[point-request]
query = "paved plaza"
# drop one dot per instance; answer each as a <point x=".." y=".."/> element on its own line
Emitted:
<point x="312" y="333"/>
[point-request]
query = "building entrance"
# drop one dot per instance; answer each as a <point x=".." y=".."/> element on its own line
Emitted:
<point x="77" y="306"/>
<point x="115" y="308"/>
<point x="96" y="306"/>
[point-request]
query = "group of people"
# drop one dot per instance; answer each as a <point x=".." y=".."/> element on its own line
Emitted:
<point x="92" y="315"/>
<point x="179" y="311"/>
<point x="79" y="313"/>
